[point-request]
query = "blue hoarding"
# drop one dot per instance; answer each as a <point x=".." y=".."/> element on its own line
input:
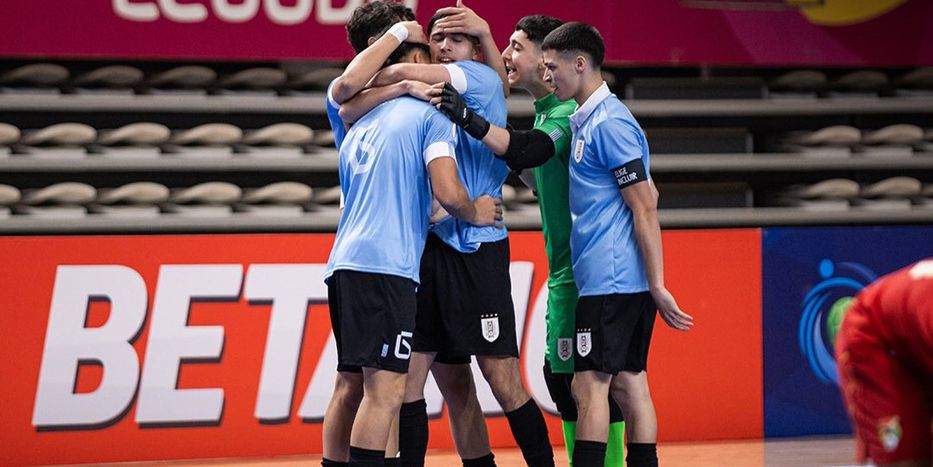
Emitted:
<point x="808" y="276"/>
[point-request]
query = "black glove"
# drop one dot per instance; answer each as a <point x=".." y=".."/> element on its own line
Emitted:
<point x="455" y="108"/>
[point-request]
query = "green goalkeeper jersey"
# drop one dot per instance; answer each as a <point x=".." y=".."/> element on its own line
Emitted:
<point x="552" y="181"/>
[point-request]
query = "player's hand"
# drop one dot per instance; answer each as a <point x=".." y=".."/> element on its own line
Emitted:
<point x="461" y="20"/>
<point x="488" y="211"/>
<point x="419" y="90"/>
<point x="451" y="103"/>
<point x="415" y="32"/>
<point x="670" y="312"/>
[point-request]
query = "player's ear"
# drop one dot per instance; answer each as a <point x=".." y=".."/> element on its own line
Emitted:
<point x="371" y="40"/>
<point x="580" y="63"/>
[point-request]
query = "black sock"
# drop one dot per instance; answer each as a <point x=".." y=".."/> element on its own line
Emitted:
<point x="329" y="463"/>
<point x="486" y="461"/>
<point x="589" y="454"/>
<point x="413" y="433"/>
<point x="393" y="461"/>
<point x="360" y="457"/>
<point x="642" y="455"/>
<point x="530" y="432"/>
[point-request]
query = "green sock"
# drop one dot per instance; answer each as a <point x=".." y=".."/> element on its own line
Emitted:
<point x="615" y="445"/>
<point x="570" y="435"/>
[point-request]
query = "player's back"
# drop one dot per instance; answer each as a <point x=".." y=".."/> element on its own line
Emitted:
<point x="386" y="189"/>
<point x="900" y="306"/>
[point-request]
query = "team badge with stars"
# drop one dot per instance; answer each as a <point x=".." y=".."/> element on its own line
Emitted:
<point x="490" y="325"/>
<point x="584" y="342"/>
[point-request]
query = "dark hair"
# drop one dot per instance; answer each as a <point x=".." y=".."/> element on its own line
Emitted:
<point x="373" y="20"/>
<point x="537" y="27"/>
<point x="436" y="17"/>
<point x="404" y="49"/>
<point x="577" y="37"/>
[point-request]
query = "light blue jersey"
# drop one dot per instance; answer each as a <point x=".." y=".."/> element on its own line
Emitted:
<point x="480" y="171"/>
<point x="333" y="115"/>
<point x="386" y="187"/>
<point x="606" y="257"/>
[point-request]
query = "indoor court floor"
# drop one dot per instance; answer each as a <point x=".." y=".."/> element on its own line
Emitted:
<point x="794" y="452"/>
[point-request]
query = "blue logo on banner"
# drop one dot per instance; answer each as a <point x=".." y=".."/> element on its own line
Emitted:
<point x="823" y="309"/>
<point x="809" y="276"/>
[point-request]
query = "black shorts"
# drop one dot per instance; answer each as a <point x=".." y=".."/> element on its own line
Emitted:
<point x="465" y="302"/>
<point x="614" y="332"/>
<point x="373" y="316"/>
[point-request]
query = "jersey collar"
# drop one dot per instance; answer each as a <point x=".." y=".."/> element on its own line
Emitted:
<point x="583" y="112"/>
<point x="546" y="102"/>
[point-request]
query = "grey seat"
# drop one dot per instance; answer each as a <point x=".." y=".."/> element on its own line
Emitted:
<point x="110" y="77"/>
<point x="894" y="187"/>
<point x="860" y="82"/>
<point x="135" y="193"/>
<point x="836" y="135"/>
<point x="836" y="188"/>
<point x="61" y="134"/>
<point x="919" y="79"/>
<point x="280" y="134"/>
<point x="213" y="140"/>
<point x="259" y="78"/>
<point x="183" y="77"/>
<point x="899" y="134"/>
<point x="314" y="80"/>
<point x="279" y="193"/>
<point x="799" y="81"/>
<point x="9" y="195"/>
<point x="327" y="196"/>
<point x="210" y="199"/>
<point x="9" y="135"/>
<point x="35" y="75"/>
<point x="136" y="134"/>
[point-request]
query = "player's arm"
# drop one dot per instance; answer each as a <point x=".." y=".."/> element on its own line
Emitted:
<point x="367" y="99"/>
<point x="362" y="68"/>
<point x="519" y="149"/>
<point x="428" y="73"/>
<point x="640" y="196"/>
<point x="453" y="197"/>
<point x="464" y="20"/>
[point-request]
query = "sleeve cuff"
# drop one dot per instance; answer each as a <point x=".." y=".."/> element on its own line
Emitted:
<point x="457" y="77"/>
<point x="438" y="150"/>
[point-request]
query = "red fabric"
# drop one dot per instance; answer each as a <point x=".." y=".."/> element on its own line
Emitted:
<point x="885" y="355"/>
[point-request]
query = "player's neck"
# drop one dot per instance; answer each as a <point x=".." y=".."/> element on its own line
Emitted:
<point x="538" y="89"/>
<point x="592" y="83"/>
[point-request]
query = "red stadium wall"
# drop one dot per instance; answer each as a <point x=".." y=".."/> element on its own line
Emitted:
<point x="824" y="32"/>
<point x="253" y="362"/>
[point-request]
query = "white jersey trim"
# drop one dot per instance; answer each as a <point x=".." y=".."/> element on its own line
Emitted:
<point x="438" y="150"/>
<point x="458" y="78"/>
<point x="330" y="97"/>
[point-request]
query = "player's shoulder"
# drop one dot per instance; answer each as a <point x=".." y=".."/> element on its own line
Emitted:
<point x="474" y="67"/>
<point x="615" y="124"/>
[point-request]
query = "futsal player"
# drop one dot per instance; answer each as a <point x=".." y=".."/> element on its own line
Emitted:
<point x="616" y="251"/>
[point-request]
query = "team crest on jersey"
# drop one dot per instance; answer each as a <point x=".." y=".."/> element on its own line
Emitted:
<point x="889" y="432"/>
<point x="490" y="325"/>
<point x="584" y="342"/>
<point x="564" y="348"/>
<point x="578" y="151"/>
